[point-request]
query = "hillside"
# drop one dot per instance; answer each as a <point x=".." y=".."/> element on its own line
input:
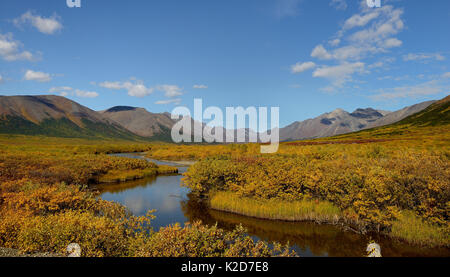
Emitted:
<point x="56" y="116"/>
<point x="141" y="122"/>
<point x="432" y="122"/>
<point x="436" y="114"/>
<point x="400" y="114"/>
<point x="340" y="122"/>
<point x="330" y="124"/>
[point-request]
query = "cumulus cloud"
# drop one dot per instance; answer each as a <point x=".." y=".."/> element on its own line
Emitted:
<point x="423" y="56"/>
<point x="392" y="42"/>
<point x="10" y="49"/>
<point x="300" y="67"/>
<point x="175" y="101"/>
<point x="134" y="88"/>
<point x="37" y="76"/>
<point x="170" y="90"/>
<point x="200" y="86"/>
<point x="48" y="26"/>
<point x="137" y="89"/>
<point x="321" y="53"/>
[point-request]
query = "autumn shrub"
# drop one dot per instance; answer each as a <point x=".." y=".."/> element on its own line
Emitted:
<point x="372" y="191"/>
<point x="199" y="240"/>
<point x="79" y="169"/>
<point x="97" y="236"/>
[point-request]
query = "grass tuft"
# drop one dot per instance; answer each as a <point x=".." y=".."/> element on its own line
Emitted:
<point x="302" y="210"/>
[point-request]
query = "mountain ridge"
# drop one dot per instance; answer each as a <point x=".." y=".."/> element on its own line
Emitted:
<point x="340" y="122"/>
<point x="55" y="116"/>
<point x="58" y="116"/>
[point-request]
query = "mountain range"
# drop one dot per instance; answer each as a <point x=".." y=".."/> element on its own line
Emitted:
<point x="340" y="122"/>
<point x="58" y="116"/>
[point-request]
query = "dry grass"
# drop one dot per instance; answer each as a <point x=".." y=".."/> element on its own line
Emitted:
<point x="303" y="210"/>
<point x="413" y="229"/>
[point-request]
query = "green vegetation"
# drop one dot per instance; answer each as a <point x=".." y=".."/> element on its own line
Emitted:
<point x="65" y="128"/>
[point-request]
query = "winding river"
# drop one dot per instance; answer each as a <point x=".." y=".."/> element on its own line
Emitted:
<point x="173" y="204"/>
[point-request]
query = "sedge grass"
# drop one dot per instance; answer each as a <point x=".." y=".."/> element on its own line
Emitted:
<point x="411" y="228"/>
<point x="273" y="209"/>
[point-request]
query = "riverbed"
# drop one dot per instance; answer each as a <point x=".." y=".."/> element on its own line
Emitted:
<point x="173" y="204"/>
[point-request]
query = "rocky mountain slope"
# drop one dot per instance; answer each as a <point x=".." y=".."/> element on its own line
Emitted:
<point x="58" y="116"/>
<point x="140" y="121"/>
<point x="340" y="122"/>
<point x="55" y="116"/>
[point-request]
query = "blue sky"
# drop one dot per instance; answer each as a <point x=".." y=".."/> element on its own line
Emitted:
<point x="305" y="56"/>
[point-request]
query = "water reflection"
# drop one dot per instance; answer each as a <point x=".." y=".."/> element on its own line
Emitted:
<point x="162" y="193"/>
<point x="174" y="204"/>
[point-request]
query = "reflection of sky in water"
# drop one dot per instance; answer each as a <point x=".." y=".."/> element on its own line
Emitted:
<point x="163" y="194"/>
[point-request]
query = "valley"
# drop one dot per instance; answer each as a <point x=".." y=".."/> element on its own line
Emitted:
<point x="388" y="183"/>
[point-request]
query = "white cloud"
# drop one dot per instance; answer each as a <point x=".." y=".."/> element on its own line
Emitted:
<point x="44" y="25"/>
<point x="446" y="75"/>
<point x="392" y="42"/>
<point x="389" y="24"/>
<point x="375" y="31"/>
<point x="339" y="4"/>
<point x="176" y="101"/>
<point x="10" y="49"/>
<point x="360" y="20"/>
<point x="86" y="94"/>
<point x="60" y="89"/>
<point x="170" y="90"/>
<point x="112" y="85"/>
<point x="334" y="42"/>
<point x="66" y="91"/>
<point x="321" y="53"/>
<point x="339" y="74"/>
<point x="300" y="67"/>
<point x="136" y="88"/>
<point x="423" y="56"/>
<point x="366" y="34"/>
<point x="1" y="79"/>
<point x="200" y="86"/>
<point x="423" y="89"/>
<point x="37" y="76"/>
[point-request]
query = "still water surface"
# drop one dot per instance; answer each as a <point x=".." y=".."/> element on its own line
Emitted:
<point x="174" y="205"/>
